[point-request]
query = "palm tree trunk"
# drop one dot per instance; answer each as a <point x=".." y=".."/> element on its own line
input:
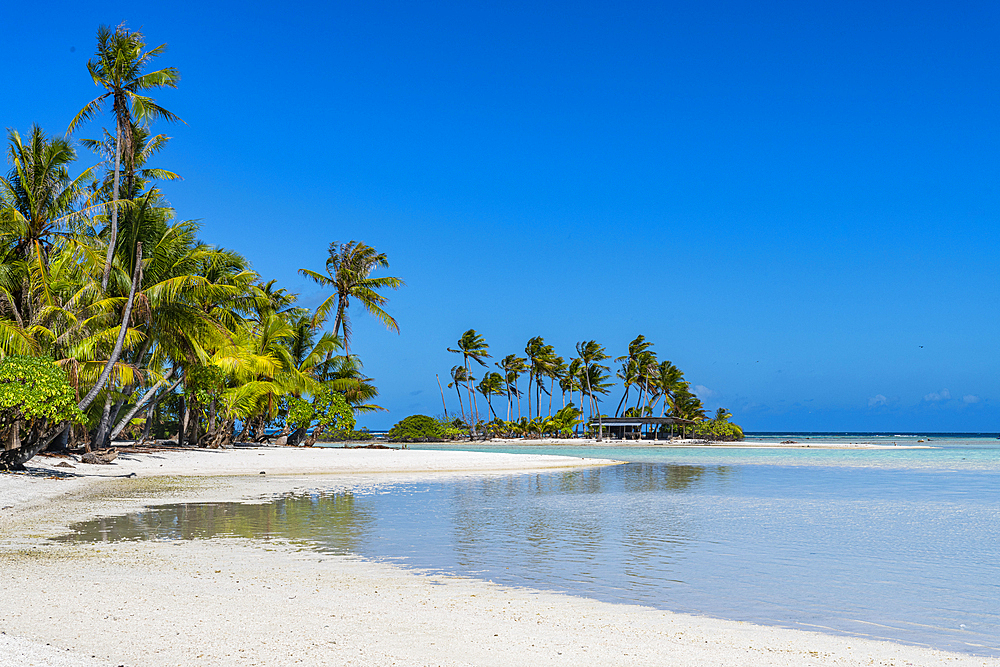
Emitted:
<point x="531" y="378"/>
<point x="472" y="395"/>
<point x="117" y="351"/>
<point x="102" y="427"/>
<point x="341" y="306"/>
<point x="459" y="392"/>
<point x="139" y="404"/>
<point x="621" y="402"/>
<point x="442" y="397"/>
<point x="114" y="203"/>
<point x="538" y="395"/>
<point x="182" y="427"/>
<point x="518" y="394"/>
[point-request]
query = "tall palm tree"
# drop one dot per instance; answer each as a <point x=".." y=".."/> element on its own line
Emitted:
<point x="629" y="372"/>
<point x="472" y="346"/>
<point x="534" y="350"/>
<point x="574" y="379"/>
<point x="554" y="369"/>
<point x="591" y="353"/>
<point x="118" y="66"/>
<point x="669" y="379"/>
<point x="38" y="198"/>
<point x="513" y="367"/>
<point x="349" y="268"/>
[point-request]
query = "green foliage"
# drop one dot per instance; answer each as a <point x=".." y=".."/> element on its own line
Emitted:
<point x="202" y="383"/>
<point x="328" y="412"/>
<point x="347" y="436"/>
<point x="717" y="430"/>
<point x="417" y="428"/>
<point x="455" y="429"/>
<point x="34" y="389"/>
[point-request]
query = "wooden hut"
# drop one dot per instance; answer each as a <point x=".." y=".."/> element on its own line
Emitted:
<point x="631" y="428"/>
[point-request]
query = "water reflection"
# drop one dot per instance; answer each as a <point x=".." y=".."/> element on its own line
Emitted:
<point x="332" y="521"/>
<point x="839" y="547"/>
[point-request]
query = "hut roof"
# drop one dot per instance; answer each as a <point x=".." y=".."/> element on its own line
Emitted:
<point x="637" y="421"/>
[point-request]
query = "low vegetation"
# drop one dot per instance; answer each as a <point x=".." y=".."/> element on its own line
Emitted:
<point x="417" y="428"/>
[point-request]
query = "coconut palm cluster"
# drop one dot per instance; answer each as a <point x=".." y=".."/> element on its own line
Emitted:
<point x="157" y="333"/>
<point x="651" y="388"/>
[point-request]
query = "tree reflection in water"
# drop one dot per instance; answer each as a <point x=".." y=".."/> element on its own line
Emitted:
<point x="333" y="521"/>
<point x="616" y="532"/>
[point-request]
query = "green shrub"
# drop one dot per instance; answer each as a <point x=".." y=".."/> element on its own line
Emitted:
<point x="35" y="398"/>
<point x="417" y="428"/>
<point x="719" y="431"/>
<point x="328" y="413"/>
<point x="33" y="389"/>
<point x="364" y="435"/>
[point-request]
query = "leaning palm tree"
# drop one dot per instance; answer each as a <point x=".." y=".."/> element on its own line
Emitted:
<point x="118" y="66"/>
<point x="491" y="385"/>
<point x="472" y="346"/>
<point x="459" y="376"/>
<point x="348" y="270"/>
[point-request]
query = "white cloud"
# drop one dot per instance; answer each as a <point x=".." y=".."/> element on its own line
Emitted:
<point x="701" y="391"/>
<point x="969" y="398"/>
<point x="934" y="397"/>
<point x="877" y="400"/>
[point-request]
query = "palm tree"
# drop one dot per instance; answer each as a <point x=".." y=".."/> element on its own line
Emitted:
<point x="349" y="268"/>
<point x="472" y="346"/>
<point x="118" y="66"/>
<point x="591" y="353"/>
<point x="722" y="415"/>
<point x="668" y="380"/>
<point x="38" y="198"/>
<point x="491" y="385"/>
<point x="513" y="367"/>
<point x="630" y="370"/>
<point x="687" y="405"/>
<point x="345" y="374"/>
<point x="459" y="376"/>
<point x="554" y="369"/>
<point x="534" y="350"/>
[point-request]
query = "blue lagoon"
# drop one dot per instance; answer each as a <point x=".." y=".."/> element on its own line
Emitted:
<point x="897" y="544"/>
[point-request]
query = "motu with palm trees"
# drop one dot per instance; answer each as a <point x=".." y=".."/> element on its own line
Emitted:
<point x="661" y="392"/>
<point x="155" y="333"/>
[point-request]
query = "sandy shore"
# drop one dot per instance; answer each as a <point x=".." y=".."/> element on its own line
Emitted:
<point x="251" y="602"/>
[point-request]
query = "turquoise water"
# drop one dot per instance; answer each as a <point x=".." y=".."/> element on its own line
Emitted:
<point x="911" y="452"/>
<point x="898" y="544"/>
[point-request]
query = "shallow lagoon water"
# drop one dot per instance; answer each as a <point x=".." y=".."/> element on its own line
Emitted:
<point x="900" y="545"/>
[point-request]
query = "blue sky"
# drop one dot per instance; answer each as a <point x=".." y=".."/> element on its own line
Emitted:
<point x="797" y="202"/>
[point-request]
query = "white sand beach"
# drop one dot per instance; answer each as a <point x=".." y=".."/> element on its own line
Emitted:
<point x="255" y="602"/>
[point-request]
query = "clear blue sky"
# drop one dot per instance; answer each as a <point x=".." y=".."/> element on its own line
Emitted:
<point x="797" y="202"/>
